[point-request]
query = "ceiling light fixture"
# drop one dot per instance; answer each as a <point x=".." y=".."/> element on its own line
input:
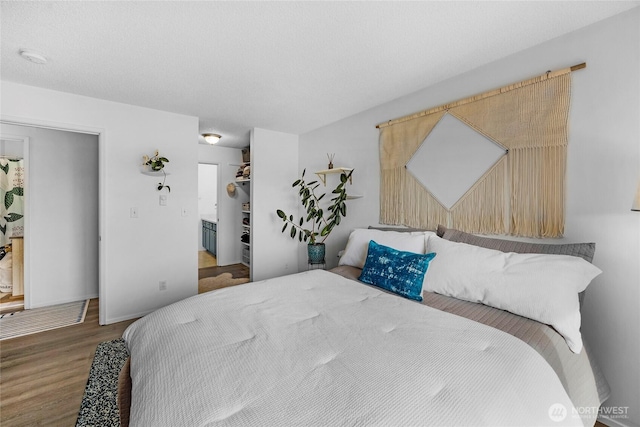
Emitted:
<point x="32" y="56"/>
<point x="211" y="138"/>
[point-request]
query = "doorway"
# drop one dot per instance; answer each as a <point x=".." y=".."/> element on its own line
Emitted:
<point x="61" y="230"/>
<point x="208" y="214"/>
<point x="12" y="218"/>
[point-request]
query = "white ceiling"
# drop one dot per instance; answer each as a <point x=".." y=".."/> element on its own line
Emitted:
<point x="285" y="66"/>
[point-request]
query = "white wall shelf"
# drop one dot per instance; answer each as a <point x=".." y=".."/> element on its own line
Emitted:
<point x="323" y="174"/>
<point x="154" y="173"/>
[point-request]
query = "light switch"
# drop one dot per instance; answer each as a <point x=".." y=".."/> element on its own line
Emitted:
<point x="133" y="212"/>
<point x="163" y="200"/>
<point x="185" y="212"/>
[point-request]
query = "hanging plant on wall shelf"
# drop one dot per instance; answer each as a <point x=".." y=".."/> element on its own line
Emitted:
<point x="156" y="164"/>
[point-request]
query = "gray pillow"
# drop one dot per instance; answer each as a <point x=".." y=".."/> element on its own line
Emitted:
<point x="582" y="250"/>
<point x="398" y="229"/>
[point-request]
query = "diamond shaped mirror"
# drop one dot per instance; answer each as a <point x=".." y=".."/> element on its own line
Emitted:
<point x="452" y="158"/>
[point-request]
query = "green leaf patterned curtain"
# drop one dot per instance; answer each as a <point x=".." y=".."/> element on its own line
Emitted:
<point x="12" y="199"/>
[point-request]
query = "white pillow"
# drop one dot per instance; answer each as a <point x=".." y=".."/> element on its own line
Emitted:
<point x="355" y="254"/>
<point x="538" y="286"/>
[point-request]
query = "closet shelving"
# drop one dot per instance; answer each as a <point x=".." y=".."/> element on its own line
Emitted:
<point x="245" y="217"/>
<point x="241" y="176"/>
<point x="246" y="230"/>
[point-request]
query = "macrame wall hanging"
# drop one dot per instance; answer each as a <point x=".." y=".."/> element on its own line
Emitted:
<point x="517" y="147"/>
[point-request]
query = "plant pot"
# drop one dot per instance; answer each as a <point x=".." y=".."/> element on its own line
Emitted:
<point x="315" y="252"/>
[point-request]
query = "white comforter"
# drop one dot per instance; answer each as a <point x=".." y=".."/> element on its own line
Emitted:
<point x="317" y="349"/>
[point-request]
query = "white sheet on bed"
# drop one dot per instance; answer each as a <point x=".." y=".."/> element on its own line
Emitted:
<point x="317" y="349"/>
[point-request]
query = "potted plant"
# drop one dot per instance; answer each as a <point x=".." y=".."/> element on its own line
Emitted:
<point x="314" y="226"/>
<point x="156" y="164"/>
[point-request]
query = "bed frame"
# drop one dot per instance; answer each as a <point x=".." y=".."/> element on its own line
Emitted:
<point x="124" y="393"/>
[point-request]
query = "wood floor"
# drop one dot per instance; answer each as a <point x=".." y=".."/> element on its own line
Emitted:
<point x="208" y="267"/>
<point x="42" y="376"/>
<point x="205" y="259"/>
<point x="237" y="271"/>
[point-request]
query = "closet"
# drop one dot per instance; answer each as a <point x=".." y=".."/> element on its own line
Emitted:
<point x="243" y="181"/>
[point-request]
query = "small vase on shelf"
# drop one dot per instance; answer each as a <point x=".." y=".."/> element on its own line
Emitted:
<point x="330" y="156"/>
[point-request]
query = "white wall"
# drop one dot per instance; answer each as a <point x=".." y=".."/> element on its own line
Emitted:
<point x="208" y="190"/>
<point x="63" y="223"/>
<point x="603" y="168"/>
<point x="355" y="146"/>
<point x="274" y="166"/>
<point x="229" y="221"/>
<point x="11" y="148"/>
<point x="159" y="245"/>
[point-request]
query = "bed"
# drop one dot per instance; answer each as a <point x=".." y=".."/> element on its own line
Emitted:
<point x="322" y="348"/>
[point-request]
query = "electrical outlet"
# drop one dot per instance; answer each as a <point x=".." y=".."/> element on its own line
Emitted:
<point x="163" y="200"/>
<point x="162" y="285"/>
<point x="133" y="212"/>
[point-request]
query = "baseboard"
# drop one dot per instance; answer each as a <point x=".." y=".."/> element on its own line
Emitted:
<point x="64" y="301"/>
<point x="616" y="422"/>
<point x="128" y="317"/>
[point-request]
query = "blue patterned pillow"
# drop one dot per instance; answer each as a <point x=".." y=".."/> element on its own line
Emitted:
<point x="396" y="271"/>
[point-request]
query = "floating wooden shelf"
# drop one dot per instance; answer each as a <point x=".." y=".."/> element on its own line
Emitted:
<point x="323" y="174"/>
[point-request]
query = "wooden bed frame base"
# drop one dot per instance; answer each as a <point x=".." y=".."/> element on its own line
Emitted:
<point x="124" y="393"/>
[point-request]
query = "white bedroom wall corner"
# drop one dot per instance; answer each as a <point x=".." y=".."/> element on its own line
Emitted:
<point x="274" y="157"/>
<point x="355" y="144"/>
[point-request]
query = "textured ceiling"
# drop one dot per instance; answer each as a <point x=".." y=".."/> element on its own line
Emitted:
<point x="285" y="66"/>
